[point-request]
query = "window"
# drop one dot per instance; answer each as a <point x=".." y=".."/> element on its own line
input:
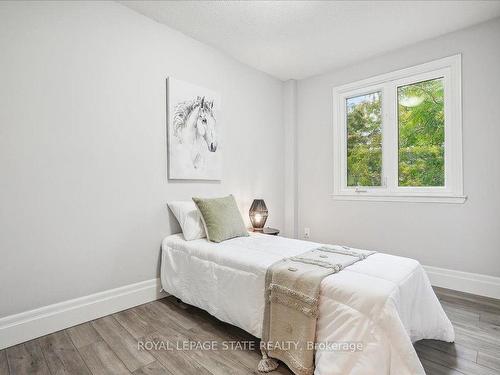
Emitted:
<point x="398" y="136"/>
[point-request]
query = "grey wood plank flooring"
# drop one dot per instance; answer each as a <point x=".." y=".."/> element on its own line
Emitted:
<point x="110" y="345"/>
<point x="101" y="360"/>
<point x="437" y="369"/>
<point x="175" y="361"/>
<point x="4" y="366"/>
<point x="122" y="343"/>
<point x="456" y="363"/>
<point x="154" y="368"/>
<point x="134" y="322"/>
<point x="83" y="335"/>
<point x="61" y="355"/>
<point x="27" y="358"/>
<point x="489" y="361"/>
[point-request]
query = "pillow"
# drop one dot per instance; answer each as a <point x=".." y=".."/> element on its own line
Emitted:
<point x="221" y="218"/>
<point x="189" y="219"/>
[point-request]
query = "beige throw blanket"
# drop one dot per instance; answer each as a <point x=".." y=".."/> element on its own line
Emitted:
<point x="292" y="298"/>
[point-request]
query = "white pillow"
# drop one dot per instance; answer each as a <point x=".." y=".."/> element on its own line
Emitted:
<point x="189" y="219"/>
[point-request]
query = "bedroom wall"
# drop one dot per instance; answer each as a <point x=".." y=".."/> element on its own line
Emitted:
<point x="83" y="186"/>
<point x="463" y="237"/>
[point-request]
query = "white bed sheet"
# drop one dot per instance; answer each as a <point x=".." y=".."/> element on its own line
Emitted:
<point x="384" y="302"/>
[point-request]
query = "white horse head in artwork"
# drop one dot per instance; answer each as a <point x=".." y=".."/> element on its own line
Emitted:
<point x="205" y="124"/>
<point x="195" y="126"/>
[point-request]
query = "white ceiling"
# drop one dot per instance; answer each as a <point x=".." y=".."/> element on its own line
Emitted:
<point x="298" y="39"/>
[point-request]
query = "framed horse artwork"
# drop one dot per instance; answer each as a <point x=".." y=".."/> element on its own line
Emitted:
<point x="193" y="132"/>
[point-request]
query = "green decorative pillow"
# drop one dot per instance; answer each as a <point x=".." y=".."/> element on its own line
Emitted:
<point x="221" y="218"/>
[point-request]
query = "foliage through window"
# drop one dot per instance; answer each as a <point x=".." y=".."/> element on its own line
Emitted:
<point x="421" y="133"/>
<point x="398" y="135"/>
<point x="364" y="140"/>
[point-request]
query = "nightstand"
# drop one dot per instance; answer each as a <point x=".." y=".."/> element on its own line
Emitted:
<point x="271" y="231"/>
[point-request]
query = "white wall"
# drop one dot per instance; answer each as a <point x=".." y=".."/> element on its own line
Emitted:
<point x="83" y="186"/>
<point x="290" y="150"/>
<point x="456" y="236"/>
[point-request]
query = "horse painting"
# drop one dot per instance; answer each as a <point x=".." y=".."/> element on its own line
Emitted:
<point x="192" y="134"/>
<point x="194" y="124"/>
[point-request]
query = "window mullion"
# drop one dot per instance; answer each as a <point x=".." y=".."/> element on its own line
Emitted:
<point x="389" y="138"/>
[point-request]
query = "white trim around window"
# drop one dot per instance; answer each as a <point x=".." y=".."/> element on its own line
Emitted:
<point x="449" y="70"/>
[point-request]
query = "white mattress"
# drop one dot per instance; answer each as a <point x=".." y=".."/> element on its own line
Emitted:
<point x="384" y="302"/>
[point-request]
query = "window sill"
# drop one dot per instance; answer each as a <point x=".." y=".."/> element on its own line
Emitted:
<point x="400" y="198"/>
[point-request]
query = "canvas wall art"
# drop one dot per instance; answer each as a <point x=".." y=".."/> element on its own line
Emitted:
<point x="194" y="151"/>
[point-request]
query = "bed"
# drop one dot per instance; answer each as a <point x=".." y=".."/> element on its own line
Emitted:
<point x="383" y="303"/>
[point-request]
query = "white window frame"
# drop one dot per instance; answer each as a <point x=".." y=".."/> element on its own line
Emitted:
<point x="449" y="69"/>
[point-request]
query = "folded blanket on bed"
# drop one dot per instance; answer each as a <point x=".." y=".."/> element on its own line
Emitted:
<point x="292" y="298"/>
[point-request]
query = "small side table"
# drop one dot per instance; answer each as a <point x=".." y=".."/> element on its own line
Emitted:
<point x="271" y="231"/>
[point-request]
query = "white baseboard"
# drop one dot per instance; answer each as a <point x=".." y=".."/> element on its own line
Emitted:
<point x="28" y="325"/>
<point x="475" y="283"/>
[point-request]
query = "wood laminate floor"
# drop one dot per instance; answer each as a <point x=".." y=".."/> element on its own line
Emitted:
<point x="110" y="345"/>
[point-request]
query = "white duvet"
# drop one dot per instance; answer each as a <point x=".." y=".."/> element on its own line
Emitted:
<point x="384" y="302"/>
